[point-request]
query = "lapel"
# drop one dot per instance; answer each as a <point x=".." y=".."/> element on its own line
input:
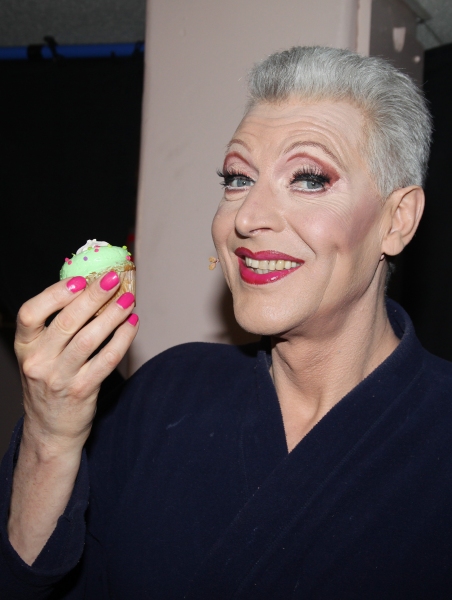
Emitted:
<point x="293" y="488"/>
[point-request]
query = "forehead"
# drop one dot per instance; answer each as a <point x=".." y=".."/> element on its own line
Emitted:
<point x="337" y="126"/>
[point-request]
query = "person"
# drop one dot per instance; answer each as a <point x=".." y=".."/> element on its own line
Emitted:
<point x="315" y="464"/>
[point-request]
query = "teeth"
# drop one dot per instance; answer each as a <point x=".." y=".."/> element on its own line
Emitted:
<point x="265" y="266"/>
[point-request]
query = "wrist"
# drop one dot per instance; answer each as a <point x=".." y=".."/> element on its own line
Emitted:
<point x="48" y="447"/>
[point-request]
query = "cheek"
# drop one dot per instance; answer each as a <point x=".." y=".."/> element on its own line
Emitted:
<point x="364" y="224"/>
<point x="221" y="226"/>
<point x="338" y="226"/>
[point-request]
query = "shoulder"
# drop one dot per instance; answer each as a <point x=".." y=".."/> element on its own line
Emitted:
<point x="200" y="357"/>
<point x="430" y="375"/>
<point x="205" y="350"/>
<point x="197" y="380"/>
<point x="430" y="396"/>
<point x="437" y="373"/>
<point x="189" y="375"/>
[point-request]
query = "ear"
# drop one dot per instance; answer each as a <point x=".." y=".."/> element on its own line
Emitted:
<point x="405" y="208"/>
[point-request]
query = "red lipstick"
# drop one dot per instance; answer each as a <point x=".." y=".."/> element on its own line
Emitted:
<point x="250" y="276"/>
<point x="266" y="255"/>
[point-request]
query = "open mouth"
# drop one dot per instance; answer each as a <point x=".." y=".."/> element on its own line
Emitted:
<point x="266" y="266"/>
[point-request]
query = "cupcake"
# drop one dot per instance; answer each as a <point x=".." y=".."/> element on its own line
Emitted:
<point x="94" y="259"/>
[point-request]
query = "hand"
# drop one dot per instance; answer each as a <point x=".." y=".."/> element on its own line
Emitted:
<point x="60" y="384"/>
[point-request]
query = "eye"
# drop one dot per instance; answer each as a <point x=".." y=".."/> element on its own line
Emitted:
<point x="238" y="181"/>
<point x="310" y="185"/>
<point x="310" y="180"/>
<point x="232" y="180"/>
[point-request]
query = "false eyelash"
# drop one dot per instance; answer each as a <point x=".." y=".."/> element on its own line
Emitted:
<point x="313" y="174"/>
<point x="228" y="175"/>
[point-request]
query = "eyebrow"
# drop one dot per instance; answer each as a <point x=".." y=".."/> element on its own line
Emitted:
<point x="293" y="147"/>
<point x="315" y="145"/>
<point x="237" y="141"/>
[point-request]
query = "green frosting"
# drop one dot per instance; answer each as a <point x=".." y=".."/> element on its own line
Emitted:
<point x="95" y="260"/>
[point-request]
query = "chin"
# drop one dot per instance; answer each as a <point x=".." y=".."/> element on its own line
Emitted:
<point x="262" y="320"/>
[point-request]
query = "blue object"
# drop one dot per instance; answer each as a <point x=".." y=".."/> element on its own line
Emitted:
<point x="75" y="51"/>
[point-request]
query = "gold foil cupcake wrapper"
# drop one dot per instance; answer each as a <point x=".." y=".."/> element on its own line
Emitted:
<point x="127" y="279"/>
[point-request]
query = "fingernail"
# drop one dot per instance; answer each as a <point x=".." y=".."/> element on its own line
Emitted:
<point x="133" y="319"/>
<point x="76" y="284"/>
<point x="109" y="281"/>
<point x="126" y="300"/>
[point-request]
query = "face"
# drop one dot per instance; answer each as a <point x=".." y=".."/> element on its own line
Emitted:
<point x="300" y="226"/>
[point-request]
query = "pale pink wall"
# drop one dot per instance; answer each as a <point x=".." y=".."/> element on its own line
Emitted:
<point x="197" y="56"/>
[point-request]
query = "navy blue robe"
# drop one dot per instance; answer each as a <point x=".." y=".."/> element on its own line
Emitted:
<point x="187" y="489"/>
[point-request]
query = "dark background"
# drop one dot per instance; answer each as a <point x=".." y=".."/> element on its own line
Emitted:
<point x="422" y="282"/>
<point x="69" y="155"/>
<point x="70" y="133"/>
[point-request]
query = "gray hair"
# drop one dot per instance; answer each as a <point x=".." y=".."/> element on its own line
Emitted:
<point x="398" y="120"/>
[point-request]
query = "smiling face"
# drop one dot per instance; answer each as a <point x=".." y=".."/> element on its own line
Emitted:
<point x="299" y="202"/>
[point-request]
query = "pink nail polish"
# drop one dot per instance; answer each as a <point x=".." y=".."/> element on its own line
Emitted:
<point x="133" y="319"/>
<point x="109" y="281"/>
<point x="76" y="284"/>
<point x="126" y="300"/>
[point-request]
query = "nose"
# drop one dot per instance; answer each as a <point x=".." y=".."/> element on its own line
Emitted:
<point x="261" y="211"/>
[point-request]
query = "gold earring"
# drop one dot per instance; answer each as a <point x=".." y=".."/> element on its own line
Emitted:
<point x="213" y="262"/>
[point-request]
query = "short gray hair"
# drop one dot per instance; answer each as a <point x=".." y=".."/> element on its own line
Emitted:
<point x="399" y="122"/>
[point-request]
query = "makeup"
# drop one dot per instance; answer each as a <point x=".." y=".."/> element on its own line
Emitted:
<point x="265" y="266"/>
<point x="76" y="284"/>
<point x="234" y="179"/>
<point x="308" y="178"/>
<point x="126" y="300"/>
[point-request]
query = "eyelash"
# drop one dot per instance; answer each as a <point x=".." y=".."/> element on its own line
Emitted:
<point x="228" y="175"/>
<point x="311" y="174"/>
<point x="307" y="173"/>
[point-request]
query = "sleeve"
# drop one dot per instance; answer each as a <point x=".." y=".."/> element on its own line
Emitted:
<point x="63" y="549"/>
<point x="131" y="419"/>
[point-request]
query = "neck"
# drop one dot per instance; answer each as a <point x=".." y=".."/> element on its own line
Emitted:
<point x="312" y="373"/>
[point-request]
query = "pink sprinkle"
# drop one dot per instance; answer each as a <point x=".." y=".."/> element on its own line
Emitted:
<point x="69" y="262"/>
<point x="96" y="249"/>
<point x="127" y="257"/>
<point x="85" y="258"/>
<point x="66" y="260"/>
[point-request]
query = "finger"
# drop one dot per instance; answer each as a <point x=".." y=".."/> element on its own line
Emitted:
<point x="90" y="337"/>
<point x="74" y="316"/>
<point x="101" y="365"/>
<point x="34" y="313"/>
